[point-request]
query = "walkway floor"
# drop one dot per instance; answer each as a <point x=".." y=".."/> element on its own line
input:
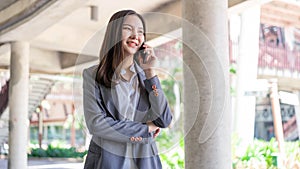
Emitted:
<point x="48" y="164"/>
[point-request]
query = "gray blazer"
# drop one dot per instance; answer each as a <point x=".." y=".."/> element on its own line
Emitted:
<point x="114" y="138"/>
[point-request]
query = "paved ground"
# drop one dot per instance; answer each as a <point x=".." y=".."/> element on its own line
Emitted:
<point x="48" y="163"/>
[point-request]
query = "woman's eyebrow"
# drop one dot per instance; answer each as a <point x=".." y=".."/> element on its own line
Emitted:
<point x="126" y="24"/>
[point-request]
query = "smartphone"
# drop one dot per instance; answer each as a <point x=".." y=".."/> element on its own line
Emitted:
<point x="142" y="53"/>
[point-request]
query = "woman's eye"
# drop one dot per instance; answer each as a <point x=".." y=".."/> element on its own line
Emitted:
<point x="127" y="28"/>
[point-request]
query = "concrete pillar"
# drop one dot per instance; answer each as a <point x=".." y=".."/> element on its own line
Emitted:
<point x="207" y="119"/>
<point x="297" y="112"/>
<point x="244" y="118"/>
<point x="18" y="105"/>
<point x="73" y="130"/>
<point x="45" y="133"/>
<point x="277" y="121"/>
<point x="41" y="125"/>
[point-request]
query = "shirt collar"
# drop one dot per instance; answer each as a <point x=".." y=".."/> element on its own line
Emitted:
<point x="138" y="69"/>
<point x="131" y="68"/>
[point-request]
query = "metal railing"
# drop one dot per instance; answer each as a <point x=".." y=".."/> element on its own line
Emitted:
<point x="272" y="56"/>
<point x="278" y="57"/>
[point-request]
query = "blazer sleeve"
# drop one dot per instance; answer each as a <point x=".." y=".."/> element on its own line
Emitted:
<point x="159" y="113"/>
<point x="102" y="125"/>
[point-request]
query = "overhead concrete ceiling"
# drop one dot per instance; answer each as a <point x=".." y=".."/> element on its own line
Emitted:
<point x="61" y="29"/>
<point x="5" y="3"/>
<point x="284" y="83"/>
<point x="63" y="34"/>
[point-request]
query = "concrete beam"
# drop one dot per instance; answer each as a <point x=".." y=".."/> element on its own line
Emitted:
<point x="5" y="3"/>
<point x="44" y="60"/>
<point x="232" y="3"/>
<point x="13" y="9"/>
<point x="238" y="6"/>
<point x="47" y="61"/>
<point x="69" y="60"/>
<point x="65" y="36"/>
<point x="5" y="55"/>
<point x="46" y="15"/>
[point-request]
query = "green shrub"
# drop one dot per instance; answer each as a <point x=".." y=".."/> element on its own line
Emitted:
<point x="56" y="151"/>
<point x="173" y="153"/>
<point x="264" y="154"/>
<point x="174" y="159"/>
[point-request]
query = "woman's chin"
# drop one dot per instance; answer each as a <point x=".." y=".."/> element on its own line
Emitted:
<point x="130" y="52"/>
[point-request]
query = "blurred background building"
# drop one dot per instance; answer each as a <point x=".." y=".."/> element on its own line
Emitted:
<point x="54" y="40"/>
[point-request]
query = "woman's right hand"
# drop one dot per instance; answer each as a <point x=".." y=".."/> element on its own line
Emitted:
<point x="150" y="62"/>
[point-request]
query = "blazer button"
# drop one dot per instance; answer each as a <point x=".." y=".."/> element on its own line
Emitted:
<point x="154" y="87"/>
<point x="132" y="139"/>
<point x="156" y="94"/>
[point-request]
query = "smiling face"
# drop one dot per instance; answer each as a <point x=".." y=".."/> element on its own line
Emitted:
<point x="132" y="34"/>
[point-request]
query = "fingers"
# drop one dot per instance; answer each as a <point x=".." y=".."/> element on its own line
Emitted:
<point x="146" y="46"/>
<point x="157" y="131"/>
<point x="149" y="59"/>
<point x="151" y="127"/>
<point x="148" y="62"/>
<point x="149" y="52"/>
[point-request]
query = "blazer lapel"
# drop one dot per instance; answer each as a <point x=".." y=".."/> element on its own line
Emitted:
<point x="143" y="103"/>
<point x="108" y="101"/>
<point x="105" y="96"/>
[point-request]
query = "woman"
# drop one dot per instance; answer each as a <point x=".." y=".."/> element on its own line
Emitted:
<point x="124" y="105"/>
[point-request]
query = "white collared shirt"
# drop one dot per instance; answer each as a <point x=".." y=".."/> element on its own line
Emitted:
<point x="127" y="94"/>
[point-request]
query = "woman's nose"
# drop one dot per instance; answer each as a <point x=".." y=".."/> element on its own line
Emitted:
<point x="134" y="34"/>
